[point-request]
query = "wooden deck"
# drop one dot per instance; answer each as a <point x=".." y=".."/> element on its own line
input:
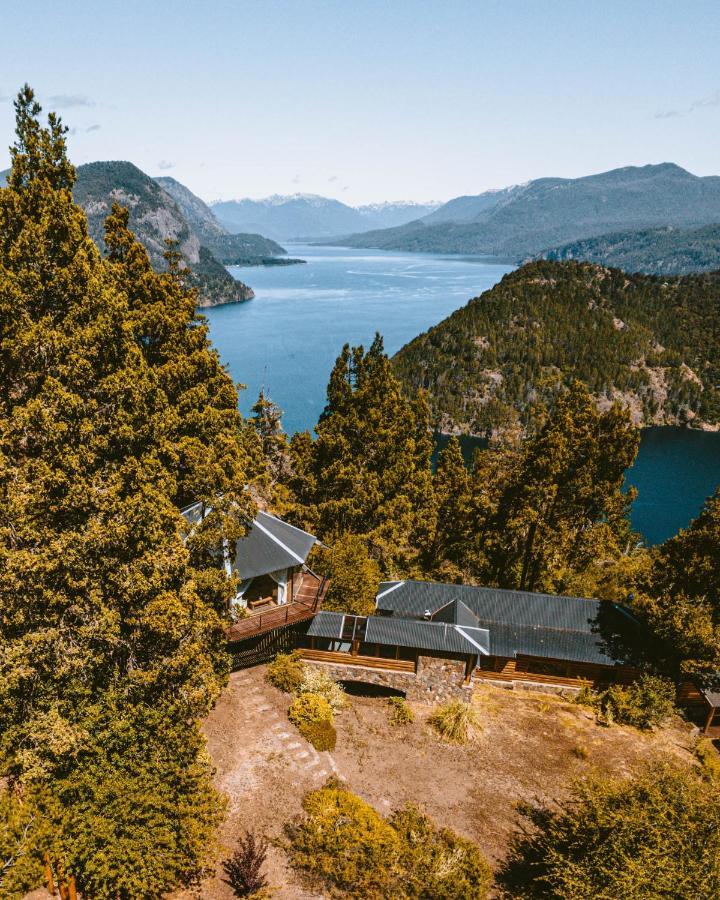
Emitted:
<point x="308" y="600"/>
<point x="365" y="662"/>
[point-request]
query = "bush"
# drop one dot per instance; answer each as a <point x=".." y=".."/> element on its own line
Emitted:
<point x="317" y="681"/>
<point x="321" y="735"/>
<point x="306" y="709"/>
<point x="243" y="869"/>
<point x="437" y="863"/>
<point x="400" y="712"/>
<point x="355" y="851"/>
<point x="656" y="835"/>
<point x="454" y="721"/>
<point x="286" y="672"/>
<point x="708" y="758"/>
<point x="645" y="703"/>
<point x="346" y="843"/>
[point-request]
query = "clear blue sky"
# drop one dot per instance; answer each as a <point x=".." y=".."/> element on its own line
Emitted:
<point x="368" y="101"/>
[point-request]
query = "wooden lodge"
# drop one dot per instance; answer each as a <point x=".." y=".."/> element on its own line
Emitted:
<point x="276" y="588"/>
<point x="510" y="637"/>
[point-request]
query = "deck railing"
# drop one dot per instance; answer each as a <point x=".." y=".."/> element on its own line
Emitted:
<point x="350" y="659"/>
<point x="278" y="616"/>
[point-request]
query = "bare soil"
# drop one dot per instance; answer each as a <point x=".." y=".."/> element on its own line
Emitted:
<point x="530" y="747"/>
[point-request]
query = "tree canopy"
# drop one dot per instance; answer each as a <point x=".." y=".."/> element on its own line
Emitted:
<point x="114" y="412"/>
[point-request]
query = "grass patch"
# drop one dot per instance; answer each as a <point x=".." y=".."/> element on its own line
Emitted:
<point x="455" y="721"/>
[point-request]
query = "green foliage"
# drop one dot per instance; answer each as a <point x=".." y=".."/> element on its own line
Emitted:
<point x="502" y="358"/>
<point x="244" y="867"/>
<point x="657" y="251"/>
<point x="400" y="712"/>
<point x="646" y="702"/>
<point x="309" y="708"/>
<point x="545" y="513"/>
<point x="368" y="472"/>
<point x="346" y="843"/>
<point x="452" y="495"/>
<point x="454" y="721"/>
<point x="114" y="413"/>
<point x="22" y="841"/>
<point x="656" y="835"/>
<point x="354" y="575"/>
<point x="317" y="681"/>
<point x="438" y="864"/>
<point x="681" y="594"/>
<point x="286" y="672"/>
<point x="709" y="758"/>
<point x="321" y="735"/>
<point x="352" y="849"/>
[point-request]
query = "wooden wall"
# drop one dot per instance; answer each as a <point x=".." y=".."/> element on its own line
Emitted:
<point x="552" y="671"/>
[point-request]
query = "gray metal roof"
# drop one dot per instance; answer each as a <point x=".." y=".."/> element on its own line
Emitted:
<point x="271" y="544"/>
<point x="544" y="625"/>
<point x="434" y="636"/>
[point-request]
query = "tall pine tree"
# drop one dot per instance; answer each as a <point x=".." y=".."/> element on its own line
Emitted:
<point x="109" y="650"/>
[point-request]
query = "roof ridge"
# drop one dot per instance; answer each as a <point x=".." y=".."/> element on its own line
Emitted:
<point x="262" y="512"/>
<point x="279" y="542"/>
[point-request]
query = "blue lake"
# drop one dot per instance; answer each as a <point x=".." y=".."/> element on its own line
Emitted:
<point x="287" y="338"/>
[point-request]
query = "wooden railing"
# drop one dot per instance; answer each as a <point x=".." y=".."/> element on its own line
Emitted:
<point x="349" y="659"/>
<point x="278" y="616"/>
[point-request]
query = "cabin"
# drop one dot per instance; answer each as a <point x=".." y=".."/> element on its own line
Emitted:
<point x="464" y="633"/>
<point x="701" y="700"/>
<point x="276" y="587"/>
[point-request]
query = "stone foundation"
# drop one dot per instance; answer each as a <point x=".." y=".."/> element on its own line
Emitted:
<point x="435" y="681"/>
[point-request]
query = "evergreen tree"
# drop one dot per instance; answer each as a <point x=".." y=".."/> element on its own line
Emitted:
<point x="105" y="428"/>
<point x="368" y="472"/>
<point x="452" y="493"/>
<point x="544" y="514"/>
<point x="681" y="592"/>
<point x="354" y="577"/>
<point x="273" y="452"/>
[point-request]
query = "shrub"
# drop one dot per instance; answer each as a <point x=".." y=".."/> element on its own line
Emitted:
<point x="400" y="712"/>
<point x="586" y="696"/>
<point x="286" y="672"/>
<point x="321" y="735"/>
<point x="243" y="869"/>
<point x="454" y="721"/>
<point x="437" y="863"/>
<point x="355" y="851"/>
<point x="708" y="758"/>
<point x="656" y="835"/>
<point x="346" y="843"/>
<point x="317" y="681"/>
<point x="645" y="703"/>
<point x="307" y="709"/>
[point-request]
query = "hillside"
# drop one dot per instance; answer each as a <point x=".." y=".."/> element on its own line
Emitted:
<point x="229" y="249"/>
<point x="310" y="216"/>
<point x="649" y="342"/>
<point x="659" y="251"/>
<point x="154" y="217"/>
<point x="526" y="219"/>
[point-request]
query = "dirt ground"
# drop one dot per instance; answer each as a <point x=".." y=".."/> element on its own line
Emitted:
<point x="530" y="747"/>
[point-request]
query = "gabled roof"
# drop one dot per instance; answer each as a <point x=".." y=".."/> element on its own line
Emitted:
<point x="519" y="622"/>
<point x="270" y="544"/>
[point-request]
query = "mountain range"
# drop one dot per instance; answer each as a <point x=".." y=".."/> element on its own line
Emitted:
<point x="648" y="342"/>
<point x="524" y="221"/>
<point x="162" y="209"/>
<point x="309" y="216"/>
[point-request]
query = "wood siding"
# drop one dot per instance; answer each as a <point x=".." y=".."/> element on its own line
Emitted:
<point x="552" y="671"/>
<point x="369" y="662"/>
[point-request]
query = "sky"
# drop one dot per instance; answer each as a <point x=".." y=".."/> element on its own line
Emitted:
<point x="370" y="101"/>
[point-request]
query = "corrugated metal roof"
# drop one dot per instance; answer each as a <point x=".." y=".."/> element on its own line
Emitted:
<point x="413" y="598"/>
<point x="544" y="625"/>
<point x="421" y="635"/>
<point x="326" y="625"/>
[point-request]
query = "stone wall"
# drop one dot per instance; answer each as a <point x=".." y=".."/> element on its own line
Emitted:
<point x="435" y="680"/>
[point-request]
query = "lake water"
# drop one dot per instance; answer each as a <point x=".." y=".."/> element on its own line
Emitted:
<point x="287" y="339"/>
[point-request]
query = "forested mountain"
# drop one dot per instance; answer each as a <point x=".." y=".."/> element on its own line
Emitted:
<point x="647" y="341"/>
<point x="525" y="220"/>
<point x="154" y="217"/>
<point x="229" y="249"/>
<point x="659" y="251"/>
<point x="310" y="216"/>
